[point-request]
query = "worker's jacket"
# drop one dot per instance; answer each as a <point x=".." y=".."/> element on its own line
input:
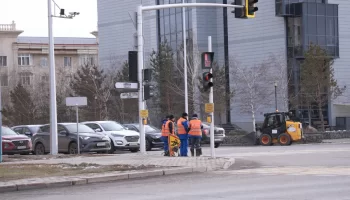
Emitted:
<point x="169" y="128"/>
<point x="195" y="128"/>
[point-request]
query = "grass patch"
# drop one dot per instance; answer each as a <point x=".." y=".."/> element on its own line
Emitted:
<point x="14" y="172"/>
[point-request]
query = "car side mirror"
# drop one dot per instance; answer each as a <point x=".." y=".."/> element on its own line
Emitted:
<point x="28" y="134"/>
<point x="64" y="133"/>
<point x="126" y="128"/>
<point x="98" y="130"/>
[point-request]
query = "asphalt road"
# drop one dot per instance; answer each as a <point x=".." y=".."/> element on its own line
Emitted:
<point x="320" y="171"/>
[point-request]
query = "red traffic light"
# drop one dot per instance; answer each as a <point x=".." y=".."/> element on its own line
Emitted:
<point x="208" y="76"/>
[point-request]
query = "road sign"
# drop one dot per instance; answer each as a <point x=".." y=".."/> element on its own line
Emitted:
<point x="144" y="113"/>
<point x="76" y="101"/>
<point x="126" y="85"/>
<point x="209" y="107"/>
<point x="129" y="95"/>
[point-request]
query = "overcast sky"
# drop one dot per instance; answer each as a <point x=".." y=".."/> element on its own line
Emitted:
<point x="31" y="17"/>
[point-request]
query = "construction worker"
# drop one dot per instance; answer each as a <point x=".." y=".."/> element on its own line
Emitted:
<point x="182" y="132"/>
<point x="165" y="135"/>
<point x="195" y="134"/>
<point x="169" y="128"/>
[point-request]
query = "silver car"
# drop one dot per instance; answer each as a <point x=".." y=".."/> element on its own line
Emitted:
<point x="90" y="141"/>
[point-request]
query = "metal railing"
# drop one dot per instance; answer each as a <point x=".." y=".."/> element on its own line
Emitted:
<point x="8" y="27"/>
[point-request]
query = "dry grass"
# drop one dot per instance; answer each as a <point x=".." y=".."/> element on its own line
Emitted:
<point x="13" y="172"/>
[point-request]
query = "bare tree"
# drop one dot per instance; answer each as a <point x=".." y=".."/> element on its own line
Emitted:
<point x="252" y="87"/>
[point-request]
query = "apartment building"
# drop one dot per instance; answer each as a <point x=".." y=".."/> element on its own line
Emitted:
<point x="26" y="59"/>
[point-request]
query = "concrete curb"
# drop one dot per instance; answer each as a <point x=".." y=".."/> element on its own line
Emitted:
<point x="229" y="163"/>
<point x="98" y="178"/>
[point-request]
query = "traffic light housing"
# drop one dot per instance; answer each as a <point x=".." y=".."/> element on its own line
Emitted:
<point x="148" y="91"/>
<point x="250" y="8"/>
<point x="239" y="12"/>
<point x="132" y="60"/>
<point x="207" y="81"/>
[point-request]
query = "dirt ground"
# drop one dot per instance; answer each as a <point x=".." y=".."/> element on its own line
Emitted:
<point x="15" y="171"/>
<point x="13" y="158"/>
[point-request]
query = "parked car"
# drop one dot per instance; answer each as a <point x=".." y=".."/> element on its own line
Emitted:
<point x="219" y="134"/>
<point x="67" y="139"/>
<point x="14" y="143"/>
<point x="28" y="130"/>
<point x="120" y="137"/>
<point x="153" y="135"/>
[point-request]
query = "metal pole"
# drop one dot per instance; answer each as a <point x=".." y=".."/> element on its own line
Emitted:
<point x="276" y="96"/>
<point x="185" y="55"/>
<point x="0" y="126"/>
<point x="211" y="100"/>
<point x="78" y="140"/>
<point x="53" y="108"/>
<point x="139" y="73"/>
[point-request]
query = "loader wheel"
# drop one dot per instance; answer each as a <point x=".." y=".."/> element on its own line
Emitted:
<point x="265" y="140"/>
<point x="284" y="139"/>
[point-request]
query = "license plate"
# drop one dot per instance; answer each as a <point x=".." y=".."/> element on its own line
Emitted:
<point x="21" y="147"/>
<point x="133" y="144"/>
<point x="101" y="144"/>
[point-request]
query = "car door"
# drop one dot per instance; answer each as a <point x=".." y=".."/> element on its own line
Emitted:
<point x="43" y="136"/>
<point x="63" y="139"/>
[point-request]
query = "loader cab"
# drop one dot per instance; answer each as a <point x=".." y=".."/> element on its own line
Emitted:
<point x="275" y="120"/>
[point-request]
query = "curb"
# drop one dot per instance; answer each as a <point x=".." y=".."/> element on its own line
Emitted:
<point x="98" y="178"/>
<point x="229" y="163"/>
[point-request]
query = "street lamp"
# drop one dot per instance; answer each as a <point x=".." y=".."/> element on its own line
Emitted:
<point x="185" y="55"/>
<point x="53" y="103"/>
<point x="276" y="96"/>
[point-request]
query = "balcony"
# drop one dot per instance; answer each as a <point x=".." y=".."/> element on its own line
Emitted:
<point x="8" y="27"/>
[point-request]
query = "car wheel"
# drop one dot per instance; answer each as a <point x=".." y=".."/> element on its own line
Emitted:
<point x="217" y="145"/>
<point x="284" y="139"/>
<point x="72" y="149"/>
<point x="112" y="150"/>
<point x="39" y="149"/>
<point x="135" y="150"/>
<point x="265" y="140"/>
<point x="148" y="145"/>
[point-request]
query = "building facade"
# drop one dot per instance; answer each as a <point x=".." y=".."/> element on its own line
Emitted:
<point x="282" y="28"/>
<point x="25" y="60"/>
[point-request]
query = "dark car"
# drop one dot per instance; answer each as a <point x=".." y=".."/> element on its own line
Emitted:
<point x="89" y="140"/>
<point x="14" y="143"/>
<point x="219" y="134"/>
<point x="28" y="130"/>
<point x="153" y="135"/>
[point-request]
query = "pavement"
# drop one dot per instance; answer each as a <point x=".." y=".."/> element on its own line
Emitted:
<point x="164" y="166"/>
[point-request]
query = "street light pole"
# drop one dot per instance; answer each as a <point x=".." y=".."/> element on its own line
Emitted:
<point x="53" y="103"/>
<point x="276" y="96"/>
<point x="185" y="55"/>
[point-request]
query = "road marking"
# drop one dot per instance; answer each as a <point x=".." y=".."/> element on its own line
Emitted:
<point x="293" y="171"/>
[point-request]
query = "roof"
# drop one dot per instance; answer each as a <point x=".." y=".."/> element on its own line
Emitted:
<point x="98" y="122"/>
<point x="57" y="40"/>
<point x="28" y="125"/>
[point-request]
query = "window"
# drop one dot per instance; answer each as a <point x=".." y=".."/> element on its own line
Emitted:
<point x="43" y="61"/>
<point x="87" y="60"/>
<point x="112" y="126"/>
<point x="18" y="130"/>
<point x="26" y="78"/>
<point x="45" y="78"/>
<point x="24" y="59"/>
<point x="67" y="61"/>
<point x="3" y="61"/>
<point x="4" y="80"/>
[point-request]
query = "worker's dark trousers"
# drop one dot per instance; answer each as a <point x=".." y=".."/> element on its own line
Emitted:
<point x="196" y="144"/>
<point x="166" y="145"/>
<point x="184" y="144"/>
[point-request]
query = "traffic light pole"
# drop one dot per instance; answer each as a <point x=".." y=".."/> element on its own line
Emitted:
<point x="140" y="10"/>
<point x="211" y="100"/>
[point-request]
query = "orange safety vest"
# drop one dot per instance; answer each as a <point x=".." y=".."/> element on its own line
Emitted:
<point x="166" y="128"/>
<point x="180" y="128"/>
<point x="195" y="127"/>
<point x="163" y="130"/>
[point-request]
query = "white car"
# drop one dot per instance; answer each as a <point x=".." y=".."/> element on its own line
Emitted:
<point x="120" y="137"/>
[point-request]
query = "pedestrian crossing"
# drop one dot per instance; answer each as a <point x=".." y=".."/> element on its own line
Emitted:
<point x="293" y="171"/>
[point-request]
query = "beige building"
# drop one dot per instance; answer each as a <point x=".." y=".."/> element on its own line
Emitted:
<point x="26" y="59"/>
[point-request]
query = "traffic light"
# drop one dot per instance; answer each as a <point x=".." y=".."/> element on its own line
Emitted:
<point x="148" y="91"/>
<point x="250" y="8"/>
<point x="207" y="82"/>
<point x="239" y="12"/>
<point x="132" y="59"/>
<point x="207" y="60"/>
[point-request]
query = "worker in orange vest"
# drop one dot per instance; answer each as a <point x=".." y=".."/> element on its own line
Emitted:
<point x="195" y="134"/>
<point x="169" y="128"/>
<point x="182" y="132"/>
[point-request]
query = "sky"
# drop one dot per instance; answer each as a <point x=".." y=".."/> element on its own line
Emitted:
<point x="31" y="17"/>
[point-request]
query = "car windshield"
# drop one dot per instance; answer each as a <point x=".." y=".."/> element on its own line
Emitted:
<point x="7" y="131"/>
<point x="112" y="126"/>
<point x="149" y="129"/>
<point x="34" y="129"/>
<point x="72" y="128"/>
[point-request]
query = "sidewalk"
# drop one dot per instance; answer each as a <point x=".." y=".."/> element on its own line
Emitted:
<point x="164" y="166"/>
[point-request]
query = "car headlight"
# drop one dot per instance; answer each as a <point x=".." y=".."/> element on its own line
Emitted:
<point x="155" y="136"/>
<point x="117" y="135"/>
<point x="84" y="137"/>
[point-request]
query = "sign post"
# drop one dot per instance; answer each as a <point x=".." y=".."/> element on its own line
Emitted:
<point x="76" y="101"/>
